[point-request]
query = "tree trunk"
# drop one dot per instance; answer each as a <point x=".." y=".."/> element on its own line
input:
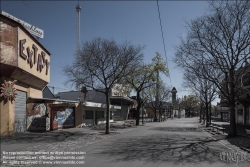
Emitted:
<point x="138" y="108"/>
<point x="155" y="118"/>
<point x="200" y="113"/>
<point x="207" y="119"/>
<point x="210" y="113"/>
<point x="160" y="117"/>
<point x="138" y="114"/>
<point x="107" y="115"/>
<point x="203" y="115"/>
<point x="142" y="114"/>
<point x="233" y="130"/>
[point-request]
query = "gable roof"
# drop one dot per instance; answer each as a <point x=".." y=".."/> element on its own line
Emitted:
<point x="47" y="93"/>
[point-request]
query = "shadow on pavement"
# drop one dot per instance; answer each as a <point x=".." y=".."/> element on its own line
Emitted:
<point x="170" y="148"/>
<point x="242" y="140"/>
<point x="41" y="137"/>
<point x="174" y="129"/>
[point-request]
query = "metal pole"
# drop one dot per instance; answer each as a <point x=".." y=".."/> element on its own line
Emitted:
<point x="157" y="92"/>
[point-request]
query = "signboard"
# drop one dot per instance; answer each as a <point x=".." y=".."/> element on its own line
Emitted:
<point x="224" y="108"/>
<point x="100" y="105"/>
<point x="32" y="29"/>
<point x="33" y="58"/>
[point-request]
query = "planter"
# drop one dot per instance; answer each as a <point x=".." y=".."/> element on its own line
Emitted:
<point x="247" y="131"/>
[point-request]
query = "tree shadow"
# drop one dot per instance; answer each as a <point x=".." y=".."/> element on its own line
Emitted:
<point x="170" y="148"/>
<point x="41" y="137"/>
<point x="240" y="141"/>
<point x="174" y="129"/>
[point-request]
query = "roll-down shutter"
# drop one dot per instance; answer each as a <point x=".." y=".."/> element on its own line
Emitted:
<point x="20" y="112"/>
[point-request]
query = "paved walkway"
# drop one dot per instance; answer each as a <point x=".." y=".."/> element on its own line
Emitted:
<point x="240" y="127"/>
<point x="177" y="142"/>
<point x="242" y="141"/>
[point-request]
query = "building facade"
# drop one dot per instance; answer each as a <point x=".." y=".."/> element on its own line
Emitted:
<point x="24" y="71"/>
<point x="242" y="97"/>
<point x="94" y="105"/>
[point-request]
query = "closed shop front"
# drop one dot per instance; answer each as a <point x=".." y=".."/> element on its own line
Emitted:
<point x="66" y="118"/>
<point x="65" y="114"/>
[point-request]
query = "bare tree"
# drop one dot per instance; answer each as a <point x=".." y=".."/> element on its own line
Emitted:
<point x="150" y="94"/>
<point x="102" y="63"/>
<point x="190" y="103"/>
<point x="220" y="43"/>
<point x="204" y="89"/>
<point x="142" y="78"/>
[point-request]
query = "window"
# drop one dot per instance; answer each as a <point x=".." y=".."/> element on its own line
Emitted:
<point x="88" y="114"/>
<point x="240" y="115"/>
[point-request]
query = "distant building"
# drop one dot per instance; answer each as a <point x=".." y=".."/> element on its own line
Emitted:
<point x="242" y="97"/>
<point x="94" y="106"/>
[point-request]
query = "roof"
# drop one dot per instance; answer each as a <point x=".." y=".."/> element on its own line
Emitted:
<point x="34" y="98"/>
<point x="91" y="96"/>
<point x="47" y="93"/>
<point x="122" y="99"/>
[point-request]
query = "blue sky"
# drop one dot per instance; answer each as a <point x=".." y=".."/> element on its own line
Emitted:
<point x="135" y="21"/>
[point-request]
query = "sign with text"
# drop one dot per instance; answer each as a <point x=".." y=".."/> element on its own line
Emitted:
<point x="224" y="108"/>
<point x="32" y="29"/>
<point x="32" y="57"/>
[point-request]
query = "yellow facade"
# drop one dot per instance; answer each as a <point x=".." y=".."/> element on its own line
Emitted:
<point x="7" y="117"/>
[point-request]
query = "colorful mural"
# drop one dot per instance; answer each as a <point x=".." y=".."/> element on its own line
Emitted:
<point x="66" y="118"/>
<point x="38" y="116"/>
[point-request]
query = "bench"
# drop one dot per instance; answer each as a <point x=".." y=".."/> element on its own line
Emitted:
<point x="129" y="122"/>
<point x="213" y="126"/>
<point x="247" y="131"/>
<point x="220" y="128"/>
<point x="217" y="126"/>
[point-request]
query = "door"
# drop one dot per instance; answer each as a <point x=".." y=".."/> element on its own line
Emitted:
<point x="54" y="120"/>
<point x="99" y="115"/>
<point x="20" y="112"/>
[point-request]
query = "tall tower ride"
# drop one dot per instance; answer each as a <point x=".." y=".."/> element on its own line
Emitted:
<point x="78" y="10"/>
